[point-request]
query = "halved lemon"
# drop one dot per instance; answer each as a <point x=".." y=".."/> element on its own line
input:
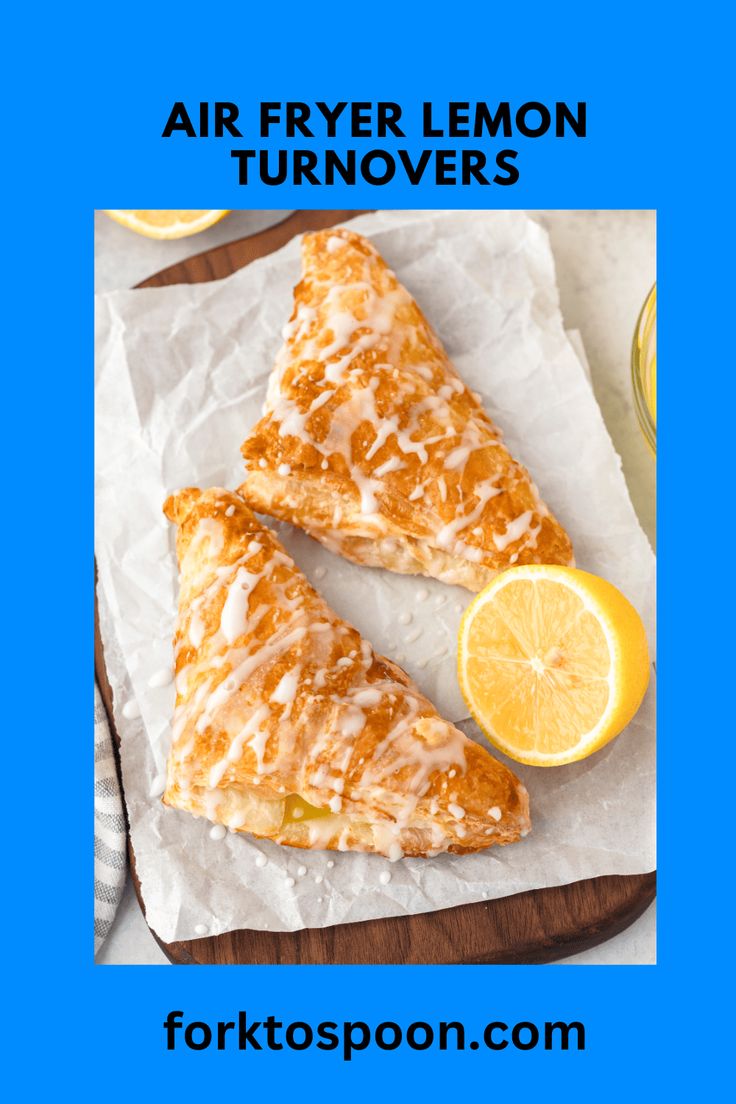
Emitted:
<point x="167" y="224"/>
<point x="553" y="663"/>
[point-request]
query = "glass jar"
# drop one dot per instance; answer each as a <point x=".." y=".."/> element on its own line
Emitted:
<point x="644" y="369"/>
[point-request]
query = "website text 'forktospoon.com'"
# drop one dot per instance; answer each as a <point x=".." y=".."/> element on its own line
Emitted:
<point x="350" y="1037"/>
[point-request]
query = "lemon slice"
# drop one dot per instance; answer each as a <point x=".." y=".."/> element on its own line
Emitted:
<point x="167" y="224"/>
<point x="552" y="662"/>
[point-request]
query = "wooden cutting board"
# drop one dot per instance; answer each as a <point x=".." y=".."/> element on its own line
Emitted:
<point x="538" y="926"/>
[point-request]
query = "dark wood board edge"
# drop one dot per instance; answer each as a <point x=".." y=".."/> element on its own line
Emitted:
<point x="537" y="926"/>
<point x="432" y="939"/>
<point x="223" y="260"/>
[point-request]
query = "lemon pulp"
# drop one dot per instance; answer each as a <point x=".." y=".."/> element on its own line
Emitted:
<point x="553" y="663"/>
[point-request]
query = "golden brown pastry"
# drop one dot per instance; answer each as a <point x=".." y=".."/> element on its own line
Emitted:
<point x="288" y="726"/>
<point x="371" y="442"/>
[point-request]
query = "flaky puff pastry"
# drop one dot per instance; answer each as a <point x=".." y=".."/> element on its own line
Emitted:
<point x="371" y="442"/>
<point x="288" y="725"/>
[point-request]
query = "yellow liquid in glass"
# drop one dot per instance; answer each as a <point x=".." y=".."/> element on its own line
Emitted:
<point x="644" y="370"/>
<point x="652" y="389"/>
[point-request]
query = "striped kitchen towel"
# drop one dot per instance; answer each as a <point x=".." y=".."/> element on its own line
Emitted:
<point x="110" y="850"/>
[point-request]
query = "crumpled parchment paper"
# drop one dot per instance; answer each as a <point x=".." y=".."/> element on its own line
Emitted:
<point x="181" y="375"/>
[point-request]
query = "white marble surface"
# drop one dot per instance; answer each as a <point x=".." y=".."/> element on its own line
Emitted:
<point x="605" y="267"/>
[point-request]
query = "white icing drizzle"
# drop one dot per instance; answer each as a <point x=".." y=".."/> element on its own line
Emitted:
<point x="368" y="697"/>
<point x="515" y="530"/>
<point x="458" y="458"/>
<point x="212" y="801"/>
<point x="233" y="617"/>
<point x="243" y="671"/>
<point x="391" y="465"/>
<point x="316" y="404"/>
<point x="300" y="323"/>
<point x="211" y="530"/>
<point x="351" y="722"/>
<point x="196" y="630"/>
<point x="131" y="710"/>
<point x="285" y="692"/>
<point x="252" y="734"/>
<point x="446" y="537"/>
<point x="182" y="679"/>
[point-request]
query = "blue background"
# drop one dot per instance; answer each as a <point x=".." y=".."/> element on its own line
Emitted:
<point x="87" y="93"/>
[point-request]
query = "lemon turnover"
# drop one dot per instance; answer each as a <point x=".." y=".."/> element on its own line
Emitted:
<point x="287" y="725"/>
<point x="372" y="443"/>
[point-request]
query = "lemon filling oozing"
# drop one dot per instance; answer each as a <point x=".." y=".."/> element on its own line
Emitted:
<point x="296" y="808"/>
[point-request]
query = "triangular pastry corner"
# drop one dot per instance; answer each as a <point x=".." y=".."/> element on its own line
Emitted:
<point x="371" y="442"/>
<point x="288" y="726"/>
